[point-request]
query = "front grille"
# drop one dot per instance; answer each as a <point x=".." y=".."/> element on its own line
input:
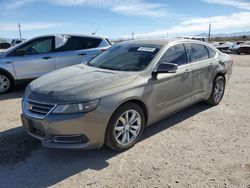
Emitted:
<point x="39" y="110"/>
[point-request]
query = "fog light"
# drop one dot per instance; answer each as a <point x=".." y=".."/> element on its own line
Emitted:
<point x="70" y="139"/>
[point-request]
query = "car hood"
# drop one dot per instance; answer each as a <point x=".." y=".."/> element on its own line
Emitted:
<point x="78" y="83"/>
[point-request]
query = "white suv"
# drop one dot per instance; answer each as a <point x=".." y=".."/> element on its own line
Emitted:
<point x="38" y="56"/>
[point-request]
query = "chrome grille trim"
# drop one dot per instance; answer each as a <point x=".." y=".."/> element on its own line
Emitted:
<point x="36" y="109"/>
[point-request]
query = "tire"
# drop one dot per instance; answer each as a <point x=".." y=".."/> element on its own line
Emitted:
<point x="117" y="127"/>
<point x="238" y="52"/>
<point x="6" y="83"/>
<point x="217" y="91"/>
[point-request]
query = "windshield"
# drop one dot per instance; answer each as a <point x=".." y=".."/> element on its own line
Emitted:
<point x="126" y="57"/>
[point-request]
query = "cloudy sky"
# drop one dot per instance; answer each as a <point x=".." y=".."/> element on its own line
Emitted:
<point x="119" y="18"/>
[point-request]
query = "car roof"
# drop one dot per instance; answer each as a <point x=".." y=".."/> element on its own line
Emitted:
<point x="162" y="42"/>
<point x="72" y="35"/>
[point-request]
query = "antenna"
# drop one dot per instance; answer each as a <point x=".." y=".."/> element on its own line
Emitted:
<point x="19" y="29"/>
<point x="95" y="31"/>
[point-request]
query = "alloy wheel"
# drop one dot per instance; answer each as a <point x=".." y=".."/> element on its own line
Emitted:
<point x="4" y="83"/>
<point x="218" y="91"/>
<point x="127" y="127"/>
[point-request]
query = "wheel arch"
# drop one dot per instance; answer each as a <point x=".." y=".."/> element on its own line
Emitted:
<point x="221" y="74"/>
<point x="139" y="103"/>
<point x="142" y="105"/>
<point x="8" y="74"/>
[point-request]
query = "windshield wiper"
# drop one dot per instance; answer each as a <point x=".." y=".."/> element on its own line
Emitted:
<point x="109" y="68"/>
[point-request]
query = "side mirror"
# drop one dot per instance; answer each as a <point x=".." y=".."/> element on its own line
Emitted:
<point x="166" y="68"/>
<point x="20" y="52"/>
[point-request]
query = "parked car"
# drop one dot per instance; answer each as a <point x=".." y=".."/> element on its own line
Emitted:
<point x="203" y="39"/>
<point x="242" y="48"/>
<point x="224" y="46"/>
<point x="4" y="45"/>
<point x="38" y="56"/>
<point x="113" y="97"/>
<point x="16" y="41"/>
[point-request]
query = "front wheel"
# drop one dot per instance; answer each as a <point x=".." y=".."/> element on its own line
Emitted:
<point x="218" y="91"/>
<point x="5" y="83"/>
<point x="125" y="127"/>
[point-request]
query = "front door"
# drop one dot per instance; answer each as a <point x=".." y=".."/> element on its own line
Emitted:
<point x="37" y="61"/>
<point x="172" y="91"/>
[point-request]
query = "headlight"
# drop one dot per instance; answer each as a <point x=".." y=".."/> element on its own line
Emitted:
<point x="76" y="108"/>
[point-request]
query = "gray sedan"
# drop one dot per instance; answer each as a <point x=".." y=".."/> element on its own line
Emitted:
<point x="112" y="98"/>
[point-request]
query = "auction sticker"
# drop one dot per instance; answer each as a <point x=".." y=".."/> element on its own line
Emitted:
<point x="146" y="49"/>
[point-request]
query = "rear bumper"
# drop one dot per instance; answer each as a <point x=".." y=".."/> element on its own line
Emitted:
<point x="68" y="131"/>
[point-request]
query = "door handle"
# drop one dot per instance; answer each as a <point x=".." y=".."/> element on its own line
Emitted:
<point x="211" y="66"/>
<point x="187" y="72"/>
<point x="46" y="58"/>
<point x="82" y="54"/>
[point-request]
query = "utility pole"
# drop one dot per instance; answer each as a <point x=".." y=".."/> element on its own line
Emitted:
<point x="209" y="31"/>
<point x="132" y="35"/>
<point x="19" y="29"/>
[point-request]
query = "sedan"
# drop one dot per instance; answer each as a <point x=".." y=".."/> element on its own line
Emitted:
<point x="112" y="98"/>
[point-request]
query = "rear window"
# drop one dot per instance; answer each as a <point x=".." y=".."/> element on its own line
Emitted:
<point x="211" y="52"/>
<point x="79" y="43"/>
<point x="126" y="57"/>
<point x="91" y="42"/>
<point x="197" y="52"/>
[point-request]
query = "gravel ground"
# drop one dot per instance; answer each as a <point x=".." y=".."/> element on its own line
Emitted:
<point x="201" y="146"/>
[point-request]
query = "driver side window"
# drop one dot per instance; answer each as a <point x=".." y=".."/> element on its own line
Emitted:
<point x="175" y="54"/>
<point x="40" y="46"/>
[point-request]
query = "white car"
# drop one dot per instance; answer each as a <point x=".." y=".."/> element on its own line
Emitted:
<point x="38" y="56"/>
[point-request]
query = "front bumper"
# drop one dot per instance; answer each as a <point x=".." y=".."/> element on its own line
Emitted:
<point x="69" y="131"/>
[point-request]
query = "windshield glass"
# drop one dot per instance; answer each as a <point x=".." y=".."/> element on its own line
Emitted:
<point x="126" y="57"/>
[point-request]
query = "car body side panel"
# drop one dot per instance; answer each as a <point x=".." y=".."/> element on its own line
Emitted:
<point x="33" y="66"/>
<point x="225" y="65"/>
<point x="171" y="91"/>
<point x="204" y="72"/>
<point x="70" y="58"/>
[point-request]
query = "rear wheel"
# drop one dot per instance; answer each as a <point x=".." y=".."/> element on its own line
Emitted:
<point x="238" y="52"/>
<point x="125" y="127"/>
<point x="218" y="91"/>
<point x="5" y="83"/>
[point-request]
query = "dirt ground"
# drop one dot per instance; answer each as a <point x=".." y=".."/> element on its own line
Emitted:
<point x="201" y="146"/>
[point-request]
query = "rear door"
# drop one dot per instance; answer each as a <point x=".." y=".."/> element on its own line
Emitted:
<point x="72" y="50"/>
<point x="38" y="60"/>
<point x="203" y="67"/>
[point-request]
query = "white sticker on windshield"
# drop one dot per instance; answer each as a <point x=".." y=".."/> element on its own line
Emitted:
<point x="146" y="49"/>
